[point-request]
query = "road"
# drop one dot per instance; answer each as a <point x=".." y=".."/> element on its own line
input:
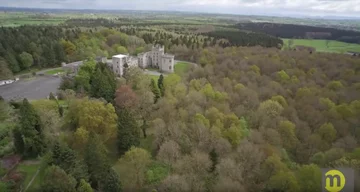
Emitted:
<point x="35" y="88"/>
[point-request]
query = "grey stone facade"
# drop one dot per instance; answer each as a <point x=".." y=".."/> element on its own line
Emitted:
<point x="156" y="58"/>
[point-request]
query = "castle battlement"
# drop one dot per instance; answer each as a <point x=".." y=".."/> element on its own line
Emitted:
<point x="156" y="58"/>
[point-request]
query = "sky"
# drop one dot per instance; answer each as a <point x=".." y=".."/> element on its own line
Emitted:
<point x="350" y="8"/>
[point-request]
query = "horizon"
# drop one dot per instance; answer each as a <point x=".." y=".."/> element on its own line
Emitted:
<point x="298" y="15"/>
<point x="279" y="8"/>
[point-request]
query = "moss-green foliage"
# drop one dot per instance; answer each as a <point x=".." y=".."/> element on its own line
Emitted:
<point x="157" y="172"/>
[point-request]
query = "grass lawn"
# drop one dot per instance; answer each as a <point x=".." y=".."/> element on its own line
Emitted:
<point x="320" y="45"/>
<point x="54" y="71"/>
<point x="152" y="69"/>
<point x="181" y="67"/>
<point x="29" y="171"/>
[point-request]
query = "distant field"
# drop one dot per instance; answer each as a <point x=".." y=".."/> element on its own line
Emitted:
<point x="320" y="45"/>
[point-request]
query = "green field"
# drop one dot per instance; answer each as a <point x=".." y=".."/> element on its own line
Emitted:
<point x="321" y="45"/>
<point x="181" y="67"/>
<point x="29" y="171"/>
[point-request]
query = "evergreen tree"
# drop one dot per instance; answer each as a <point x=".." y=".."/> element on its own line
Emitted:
<point x="66" y="158"/>
<point x="111" y="182"/>
<point x="18" y="141"/>
<point x="96" y="160"/>
<point x="161" y="85"/>
<point x="31" y="129"/>
<point x="214" y="157"/>
<point x="56" y="179"/>
<point x="155" y="89"/>
<point x="51" y="96"/>
<point x="103" y="83"/>
<point x="12" y="62"/>
<point x="128" y="131"/>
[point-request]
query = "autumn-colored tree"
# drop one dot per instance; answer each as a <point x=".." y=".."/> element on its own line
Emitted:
<point x="125" y="97"/>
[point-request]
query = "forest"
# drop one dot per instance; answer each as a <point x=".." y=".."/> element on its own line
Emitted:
<point x="248" y="116"/>
<point x="302" y="31"/>
<point x="239" y="38"/>
<point x="246" y="119"/>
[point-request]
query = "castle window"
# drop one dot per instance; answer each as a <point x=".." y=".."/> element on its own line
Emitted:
<point x="170" y="60"/>
<point x="169" y="67"/>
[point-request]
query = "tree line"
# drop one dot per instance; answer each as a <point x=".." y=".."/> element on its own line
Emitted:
<point x="302" y="31"/>
<point x="239" y="38"/>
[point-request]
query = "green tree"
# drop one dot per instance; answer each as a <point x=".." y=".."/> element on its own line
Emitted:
<point x="283" y="181"/>
<point x="214" y="157"/>
<point x="26" y="60"/>
<point x="5" y="72"/>
<point x="12" y="62"/>
<point x="283" y="77"/>
<point x="309" y="178"/>
<point x="335" y="85"/>
<point x="111" y="182"/>
<point x="327" y="132"/>
<point x="67" y="159"/>
<point x="155" y="89"/>
<point x="103" y="83"/>
<point x="287" y="132"/>
<point x="18" y="140"/>
<point x="94" y="116"/>
<point x="128" y="131"/>
<point x="84" y="74"/>
<point x="96" y="160"/>
<point x="56" y="179"/>
<point x="31" y="130"/>
<point x="280" y="99"/>
<point x="84" y="186"/>
<point x="51" y="96"/>
<point x="161" y="85"/>
<point x="156" y="173"/>
<point x="132" y="167"/>
<point x="121" y="50"/>
<point x="4" y="187"/>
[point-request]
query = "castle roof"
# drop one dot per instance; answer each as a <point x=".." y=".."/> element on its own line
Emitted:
<point x="120" y="56"/>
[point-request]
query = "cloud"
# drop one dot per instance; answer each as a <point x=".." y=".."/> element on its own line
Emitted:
<point x="281" y="7"/>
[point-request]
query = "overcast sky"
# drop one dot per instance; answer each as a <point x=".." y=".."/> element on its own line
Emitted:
<point x="263" y="7"/>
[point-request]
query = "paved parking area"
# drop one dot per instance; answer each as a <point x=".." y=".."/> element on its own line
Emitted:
<point x="37" y="88"/>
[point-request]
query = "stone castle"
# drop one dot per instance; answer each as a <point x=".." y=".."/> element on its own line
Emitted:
<point x="156" y="58"/>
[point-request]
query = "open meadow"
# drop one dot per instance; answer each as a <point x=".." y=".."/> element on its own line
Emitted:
<point x="325" y="45"/>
